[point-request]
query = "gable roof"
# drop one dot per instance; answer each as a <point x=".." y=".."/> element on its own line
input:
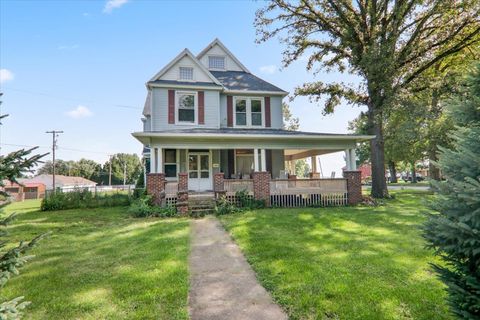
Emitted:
<point x="182" y="54"/>
<point x="217" y="42"/>
<point x="60" y="181"/>
<point x="244" y="81"/>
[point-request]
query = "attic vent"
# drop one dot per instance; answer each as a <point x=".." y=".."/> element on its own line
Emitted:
<point x="216" y="62"/>
<point x="186" y="73"/>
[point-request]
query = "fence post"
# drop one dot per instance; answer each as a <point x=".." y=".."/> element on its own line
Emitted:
<point x="354" y="186"/>
<point x="261" y="186"/>
<point x="182" y="194"/>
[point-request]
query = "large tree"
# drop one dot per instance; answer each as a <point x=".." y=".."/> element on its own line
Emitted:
<point x="124" y="163"/>
<point x="454" y="230"/>
<point x="388" y="44"/>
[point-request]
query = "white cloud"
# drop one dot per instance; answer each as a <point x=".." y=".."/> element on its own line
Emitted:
<point x="113" y="4"/>
<point x="79" y="112"/>
<point x="6" y="75"/>
<point x="68" y="47"/>
<point x="270" y="69"/>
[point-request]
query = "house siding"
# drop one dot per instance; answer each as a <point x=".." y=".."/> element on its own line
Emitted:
<point x="174" y="72"/>
<point x="160" y="121"/>
<point x="230" y="64"/>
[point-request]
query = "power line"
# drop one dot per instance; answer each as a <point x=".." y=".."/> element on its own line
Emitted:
<point x="71" y="99"/>
<point x="61" y="148"/>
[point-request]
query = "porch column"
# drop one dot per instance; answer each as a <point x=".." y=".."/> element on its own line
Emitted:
<point x="255" y="160"/>
<point x="160" y="160"/>
<point x="353" y="160"/>
<point x="313" y="159"/>
<point x="264" y="160"/>
<point x="347" y="159"/>
<point x="153" y="160"/>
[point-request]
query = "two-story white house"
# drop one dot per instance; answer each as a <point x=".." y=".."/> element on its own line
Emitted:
<point x="208" y="113"/>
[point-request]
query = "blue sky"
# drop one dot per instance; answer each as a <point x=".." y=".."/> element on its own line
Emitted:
<point x="81" y="66"/>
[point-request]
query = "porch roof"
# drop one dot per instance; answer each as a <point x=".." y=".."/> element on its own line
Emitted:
<point x="231" y="138"/>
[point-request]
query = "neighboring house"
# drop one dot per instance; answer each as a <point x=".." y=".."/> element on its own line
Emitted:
<point x="64" y="183"/>
<point x="207" y="113"/>
<point x="25" y="190"/>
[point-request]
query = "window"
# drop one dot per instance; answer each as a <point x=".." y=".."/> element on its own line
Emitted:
<point x="216" y="62"/>
<point x="170" y="163"/>
<point x="249" y="112"/>
<point x="256" y="110"/>
<point x="186" y="73"/>
<point x="241" y="112"/>
<point x="186" y="107"/>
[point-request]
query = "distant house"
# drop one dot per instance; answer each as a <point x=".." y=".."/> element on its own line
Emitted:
<point x="24" y="191"/>
<point x="64" y="183"/>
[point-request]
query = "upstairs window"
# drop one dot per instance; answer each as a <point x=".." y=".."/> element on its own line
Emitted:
<point x="186" y="73"/>
<point x="216" y="62"/>
<point x="249" y="112"/>
<point x="241" y="112"/>
<point x="186" y="105"/>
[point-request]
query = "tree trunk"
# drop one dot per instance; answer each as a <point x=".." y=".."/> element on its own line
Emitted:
<point x="433" y="171"/>
<point x="379" y="184"/>
<point x="393" y="172"/>
<point x="414" y="173"/>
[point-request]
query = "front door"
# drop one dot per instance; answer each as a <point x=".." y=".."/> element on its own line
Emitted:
<point x="199" y="177"/>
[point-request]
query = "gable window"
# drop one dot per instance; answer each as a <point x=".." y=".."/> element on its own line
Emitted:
<point x="186" y="107"/>
<point x="186" y="73"/>
<point x="249" y="112"/>
<point x="216" y="62"/>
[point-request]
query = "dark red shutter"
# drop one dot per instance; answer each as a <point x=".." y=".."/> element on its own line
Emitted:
<point x="201" y="107"/>
<point x="171" y="106"/>
<point x="229" y="111"/>
<point x="268" y="115"/>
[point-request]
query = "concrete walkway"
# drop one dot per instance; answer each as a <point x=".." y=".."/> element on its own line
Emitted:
<point x="223" y="286"/>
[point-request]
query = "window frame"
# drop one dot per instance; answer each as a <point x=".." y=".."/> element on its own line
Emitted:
<point x="176" y="163"/>
<point x="217" y="56"/>
<point x="180" y="73"/>
<point x="249" y="111"/>
<point x="195" y="108"/>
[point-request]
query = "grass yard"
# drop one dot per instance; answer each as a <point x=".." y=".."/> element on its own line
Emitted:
<point x="101" y="264"/>
<point x="344" y="263"/>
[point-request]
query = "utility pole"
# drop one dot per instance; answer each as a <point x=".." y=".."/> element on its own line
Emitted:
<point x="110" y="171"/>
<point x="125" y="173"/>
<point x="54" y="146"/>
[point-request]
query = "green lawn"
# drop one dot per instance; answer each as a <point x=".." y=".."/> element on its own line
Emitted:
<point x="102" y="264"/>
<point x="344" y="263"/>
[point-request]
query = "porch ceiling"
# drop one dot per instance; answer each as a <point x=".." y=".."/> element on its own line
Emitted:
<point x="319" y="143"/>
<point x="295" y="154"/>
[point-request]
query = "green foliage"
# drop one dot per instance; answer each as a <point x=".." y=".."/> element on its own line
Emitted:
<point x="454" y="231"/>
<point x="244" y="202"/>
<point x="143" y="208"/>
<point x="83" y="198"/>
<point x="290" y="122"/>
<point x="12" y="166"/>
<point x="94" y="171"/>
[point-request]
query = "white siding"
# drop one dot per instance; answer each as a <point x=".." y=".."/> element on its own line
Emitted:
<point x="173" y="73"/>
<point x="276" y="112"/>
<point x="159" y="120"/>
<point x="230" y="64"/>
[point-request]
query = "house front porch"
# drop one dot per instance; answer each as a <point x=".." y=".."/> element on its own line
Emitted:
<point x="231" y="160"/>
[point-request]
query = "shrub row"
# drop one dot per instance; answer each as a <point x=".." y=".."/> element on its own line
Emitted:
<point x="143" y="207"/>
<point x="243" y="202"/>
<point x="83" y="199"/>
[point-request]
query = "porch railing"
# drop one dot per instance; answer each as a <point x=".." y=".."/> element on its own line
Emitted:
<point x="231" y="186"/>
<point x="308" y="192"/>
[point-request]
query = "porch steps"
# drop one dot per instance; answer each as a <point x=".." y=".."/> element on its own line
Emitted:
<point x="200" y="204"/>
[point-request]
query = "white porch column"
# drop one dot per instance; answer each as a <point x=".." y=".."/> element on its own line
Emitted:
<point x="153" y="160"/>
<point x="313" y="159"/>
<point x="353" y="160"/>
<point x="348" y="159"/>
<point x="255" y="160"/>
<point x="264" y="159"/>
<point x="160" y="160"/>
